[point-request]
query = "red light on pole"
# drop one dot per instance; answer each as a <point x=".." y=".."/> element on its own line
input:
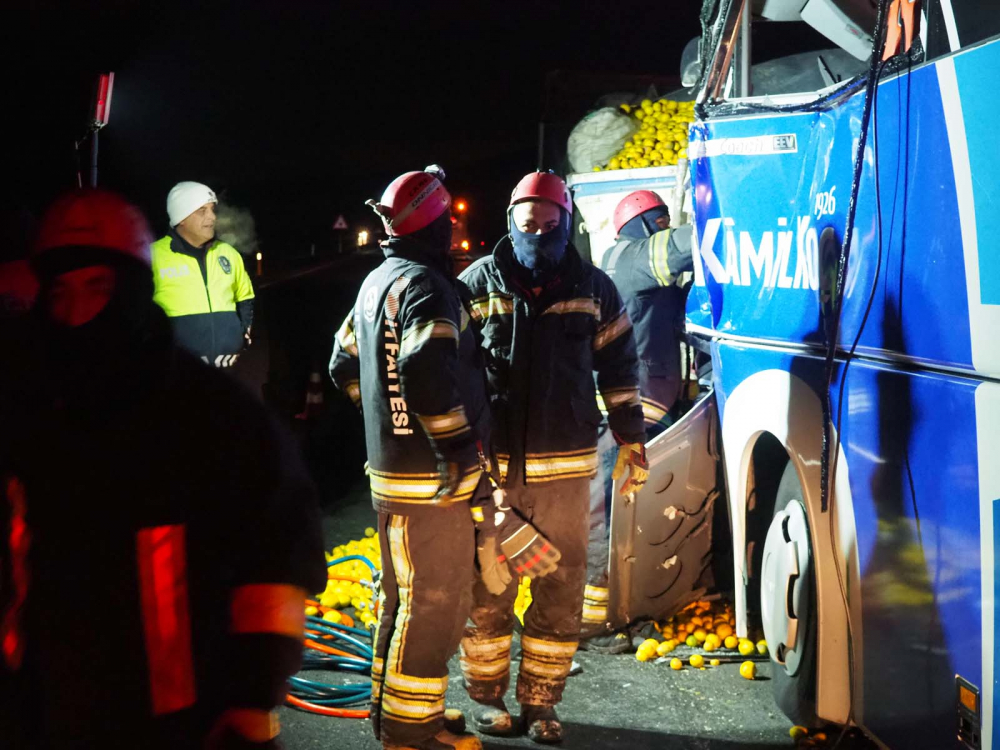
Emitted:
<point x="460" y="206"/>
<point x="102" y="99"/>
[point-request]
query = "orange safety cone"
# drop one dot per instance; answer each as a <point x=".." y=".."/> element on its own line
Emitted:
<point x="314" y="397"/>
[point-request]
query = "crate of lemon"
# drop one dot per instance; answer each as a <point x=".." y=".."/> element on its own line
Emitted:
<point x="661" y="138"/>
<point x="351" y="584"/>
<point x="697" y="632"/>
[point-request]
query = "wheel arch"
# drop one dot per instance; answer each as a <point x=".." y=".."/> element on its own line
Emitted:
<point x="771" y="411"/>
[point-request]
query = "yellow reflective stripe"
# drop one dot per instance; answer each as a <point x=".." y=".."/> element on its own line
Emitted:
<point x="464" y="320"/>
<point x="572" y="464"/>
<point x="399" y="552"/>
<point x="601" y="405"/>
<point x="615" y="397"/>
<point x="418" y="685"/>
<point x="445" y="425"/>
<point x="346" y="338"/>
<point x="378" y="666"/>
<point x="653" y="411"/>
<point x="587" y="305"/>
<point x="418" y="488"/>
<point x="595" y="613"/>
<point x="487" y="658"/>
<point x="416" y="336"/>
<point x="544" y="647"/>
<point x="621" y="324"/>
<point x="548" y="659"/>
<point x="595" y="593"/>
<point x="353" y="390"/>
<point x="658" y="247"/>
<point x="494" y="304"/>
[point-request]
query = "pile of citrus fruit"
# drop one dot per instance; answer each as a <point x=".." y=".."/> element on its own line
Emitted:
<point x="705" y="626"/>
<point x="350" y="584"/>
<point x="662" y="137"/>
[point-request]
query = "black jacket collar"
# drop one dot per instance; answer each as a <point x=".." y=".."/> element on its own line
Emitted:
<point x="180" y="245"/>
<point x="418" y="252"/>
<point x="569" y="275"/>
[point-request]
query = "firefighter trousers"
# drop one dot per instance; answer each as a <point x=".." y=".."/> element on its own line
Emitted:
<point x="427" y="570"/>
<point x="559" y="510"/>
<point x="595" y="595"/>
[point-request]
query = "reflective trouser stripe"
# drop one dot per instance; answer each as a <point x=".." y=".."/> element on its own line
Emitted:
<point x="19" y="542"/>
<point x="163" y="588"/>
<point x="595" y="604"/>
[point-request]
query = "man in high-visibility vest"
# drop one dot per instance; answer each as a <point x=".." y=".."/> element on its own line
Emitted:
<point x="182" y="604"/>
<point x="200" y="281"/>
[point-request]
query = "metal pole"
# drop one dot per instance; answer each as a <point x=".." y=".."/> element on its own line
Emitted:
<point x="93" y="158"/>
<point x="541" y="145"/>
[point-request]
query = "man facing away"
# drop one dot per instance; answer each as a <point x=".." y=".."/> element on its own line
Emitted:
<point x="200" y="281"/>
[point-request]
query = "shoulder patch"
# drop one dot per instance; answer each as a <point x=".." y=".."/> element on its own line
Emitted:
<point x="225" y="264"/>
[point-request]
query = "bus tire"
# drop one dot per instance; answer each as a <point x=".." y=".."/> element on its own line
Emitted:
<point x="793" y="665"/>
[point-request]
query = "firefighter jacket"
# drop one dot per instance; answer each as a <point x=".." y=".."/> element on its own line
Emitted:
<point x="207" y="294"/>
<point x="407" y="356"/>
<point x="542" y="354"/>
<point x="157" y="533"/>
<point x="645" y="272"/>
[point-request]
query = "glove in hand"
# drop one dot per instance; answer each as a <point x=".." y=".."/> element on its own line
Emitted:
<point x="449" y="478"/>
<point x="631" y="457"/>
<point x="493" y="569"/>
<point x="521" y="546"/>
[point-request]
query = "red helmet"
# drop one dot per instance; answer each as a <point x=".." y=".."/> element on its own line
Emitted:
<point x="634" y="204"/>
<point x="544" y="186"/>
<point x="94" y="218"/>
<point x="412" y="201"/>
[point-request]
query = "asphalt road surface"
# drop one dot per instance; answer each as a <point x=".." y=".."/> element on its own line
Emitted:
<point x="615" y="702"/>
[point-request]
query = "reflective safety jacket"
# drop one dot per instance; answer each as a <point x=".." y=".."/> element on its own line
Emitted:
<point x="645" y="272"/>
<point x="206" y="293"/>
<point x="542" y="354"/>
<point x="407" y="356"/>
<point x="176" y="548"/>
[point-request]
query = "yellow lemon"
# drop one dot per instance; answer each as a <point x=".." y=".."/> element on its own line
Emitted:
<point x="332" y="616"/>
<point x="665" y="648"/>
<point x="746" y="648"/>
<point x="691" y="641"/>
<point x="626" y="108"/>
<point x="715" y="662"/>
<point x="709" y="646"/>
<point x="798" y="732"/>
<point x="696" y="660"/>
<point x="676" y="664"/>
<point x="761" y="647"/>
<point x="700" y="635"/>
<point x="731" y="642"/>
<point x="650" y="644"/>
<point x="369" y="532"/>
<point x="713" y="639"/>
<point x="311" y="611"/>
<point x="748" y="670"/>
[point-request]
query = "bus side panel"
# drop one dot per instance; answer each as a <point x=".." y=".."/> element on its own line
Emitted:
<point x="915" y="485"/>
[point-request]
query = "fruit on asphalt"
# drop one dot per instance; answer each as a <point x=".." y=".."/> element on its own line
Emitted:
<point x="748" y="670"/>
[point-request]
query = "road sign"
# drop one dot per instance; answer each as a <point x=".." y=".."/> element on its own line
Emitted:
<point x="340" y="223"/>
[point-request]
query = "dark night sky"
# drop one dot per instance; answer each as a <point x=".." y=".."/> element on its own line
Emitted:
<point x="301" y="109"/>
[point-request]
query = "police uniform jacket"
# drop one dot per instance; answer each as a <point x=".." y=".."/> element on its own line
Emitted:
<point x="542" y="352"/>
<point x="645" y="272"/>
<point x="407" y="356"/>
<point x="207" y="294"/>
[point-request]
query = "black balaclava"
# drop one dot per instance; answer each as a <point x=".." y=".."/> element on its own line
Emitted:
<point x="644" y="225"/>
<point x="108" y="358"/>
<point x="540" y="254"/>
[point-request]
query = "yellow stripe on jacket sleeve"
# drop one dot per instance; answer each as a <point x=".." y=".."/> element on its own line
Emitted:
<point x="619" y="325"/>
<point x="658" y="252"/>
<point x="346" y="338"/>
<point x="447" y="425"/>
<point x="419" y="334"/>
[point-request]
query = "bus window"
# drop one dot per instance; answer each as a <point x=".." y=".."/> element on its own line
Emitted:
<point x="969" y="21"/>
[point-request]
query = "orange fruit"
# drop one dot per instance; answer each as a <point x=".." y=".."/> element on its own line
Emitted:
<point x="724" y="630"/>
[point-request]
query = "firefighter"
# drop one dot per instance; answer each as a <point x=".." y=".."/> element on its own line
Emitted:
<point x="644" y="263"/>
<point x="548" y="322"/>
<point x="200" y="281"/>
<point x="407" y="357"/>
<point x="164" y="532"/>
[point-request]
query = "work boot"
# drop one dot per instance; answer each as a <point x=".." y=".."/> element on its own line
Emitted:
<point x="607" y="643"/>
<point x="454" y="720"/>
<point x="542" y="724"/>
<point x="443" y="740"/>
<point x="641" y="631"/>
<point x="493" y="718"/>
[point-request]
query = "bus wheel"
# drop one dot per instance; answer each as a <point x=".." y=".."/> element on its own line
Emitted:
<point x="788" y="603"/>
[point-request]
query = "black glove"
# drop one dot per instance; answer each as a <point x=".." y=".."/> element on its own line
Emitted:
<point x="449" y="478"/>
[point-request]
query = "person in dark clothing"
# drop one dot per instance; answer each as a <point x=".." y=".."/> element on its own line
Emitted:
<point x="154" y="583"/>
<point x="644" y="264"/>
<point x="407" y="357"/>
<point x="200" y="281"/>
<point x="549" y="322"/>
